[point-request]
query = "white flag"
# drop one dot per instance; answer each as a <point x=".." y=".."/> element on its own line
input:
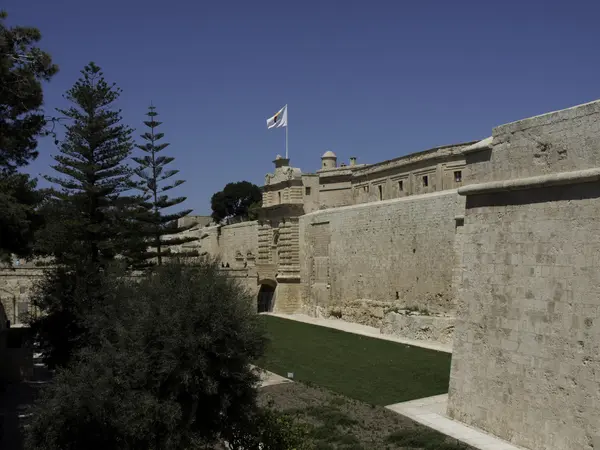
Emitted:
<point x="279" y="119"/>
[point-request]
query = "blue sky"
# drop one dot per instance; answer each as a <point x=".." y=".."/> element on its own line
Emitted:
<point x="374" y="79"/>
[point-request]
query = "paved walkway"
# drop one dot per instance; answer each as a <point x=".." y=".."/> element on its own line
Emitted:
<point x="363" y="330"/>
<point x="271" y="379"/>
<point x="431" y="412"/>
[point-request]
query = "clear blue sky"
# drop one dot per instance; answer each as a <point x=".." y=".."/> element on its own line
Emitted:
<point x="373" y="79"/>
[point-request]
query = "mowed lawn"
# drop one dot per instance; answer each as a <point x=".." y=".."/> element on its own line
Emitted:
<point x="366" y="369"/>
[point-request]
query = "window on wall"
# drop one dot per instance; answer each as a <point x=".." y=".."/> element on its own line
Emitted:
<point x="425" y="181"/>
<point x="307" y="190"/>
<point x="366" y="188"/>
<point x="458" y="176"/>
<point x="380" y="189"/>
<point x="279" y="197"/>
<point x="400" y="185"/>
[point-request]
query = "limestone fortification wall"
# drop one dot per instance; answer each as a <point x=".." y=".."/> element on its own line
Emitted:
<point x="234" y="245"/>
<point x="525" y="365"/>
<point x="238" y="243"/>
<point x="364" y="262"/>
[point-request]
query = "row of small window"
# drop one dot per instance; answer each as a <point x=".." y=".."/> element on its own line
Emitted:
<point x="425" y="181"/>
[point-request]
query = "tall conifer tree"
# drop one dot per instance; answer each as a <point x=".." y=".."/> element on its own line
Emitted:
<point x="92" y="162"/>
<point x="161" y="227"/>
<point x="88" y="216"/>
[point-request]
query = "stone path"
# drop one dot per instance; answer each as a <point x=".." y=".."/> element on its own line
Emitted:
<point x="431" y="412"/>
<point x="363" y="330"/>
<point x="271" y="379"/>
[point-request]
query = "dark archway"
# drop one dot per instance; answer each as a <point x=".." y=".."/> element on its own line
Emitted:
<point x="265" y="298"/>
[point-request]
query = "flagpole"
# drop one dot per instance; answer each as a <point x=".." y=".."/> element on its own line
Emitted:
<point x="286" y="133"/>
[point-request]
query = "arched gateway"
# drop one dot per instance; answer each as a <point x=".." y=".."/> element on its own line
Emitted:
<point x="266" y="296"/>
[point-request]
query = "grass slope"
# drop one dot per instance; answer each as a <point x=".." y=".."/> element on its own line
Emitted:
<point x="333" y="421"/>
<point x="366" y="369"/>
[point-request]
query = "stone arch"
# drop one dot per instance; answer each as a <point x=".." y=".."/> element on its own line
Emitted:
<point x="266" y="296"/>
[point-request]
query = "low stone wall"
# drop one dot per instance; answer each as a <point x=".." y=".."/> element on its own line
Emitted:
<point x="419" y="327"/>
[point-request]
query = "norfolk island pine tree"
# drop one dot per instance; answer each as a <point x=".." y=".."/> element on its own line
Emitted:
<point x="160" y="229"/>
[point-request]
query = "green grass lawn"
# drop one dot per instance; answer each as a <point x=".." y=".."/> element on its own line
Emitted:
<point x="367" y="369"/>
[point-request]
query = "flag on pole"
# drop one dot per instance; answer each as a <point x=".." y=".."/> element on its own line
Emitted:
<point x="279" y="119"/>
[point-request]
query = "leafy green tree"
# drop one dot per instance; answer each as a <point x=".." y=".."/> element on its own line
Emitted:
<point x="160" y="228"/>
<point x="88" y="219"/>
<point x="169" y="368"/>
<point x="237" y="201"/>
<point x="23" y="68"/>
<point x="20" y="217"/>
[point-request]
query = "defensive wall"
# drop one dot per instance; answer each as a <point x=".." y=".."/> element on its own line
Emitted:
<point x="526" y="363"/>
<point x="372" y="262"/>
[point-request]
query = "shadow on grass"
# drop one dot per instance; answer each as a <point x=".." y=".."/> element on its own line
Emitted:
<point x="337" y="422"/>
<point x="425" y="439"/>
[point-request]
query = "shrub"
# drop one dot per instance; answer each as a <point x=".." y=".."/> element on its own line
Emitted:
<point x="167" y="366"/>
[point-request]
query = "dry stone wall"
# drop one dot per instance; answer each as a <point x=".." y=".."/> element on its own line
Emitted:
<point x="365" y="261"/>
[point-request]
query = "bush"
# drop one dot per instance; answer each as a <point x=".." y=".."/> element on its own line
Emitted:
<point x="167" y="366"/>
<point x="268" y="429"/>
<point x="66" y="296"/>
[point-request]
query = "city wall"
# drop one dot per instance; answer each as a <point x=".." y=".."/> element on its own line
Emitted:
<point x="236" y="246"/>
<point x="374" y="263"/>
<point x="525" y="365"/>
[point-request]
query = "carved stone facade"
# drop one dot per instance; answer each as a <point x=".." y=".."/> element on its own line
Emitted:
<point x="278" y="239"/>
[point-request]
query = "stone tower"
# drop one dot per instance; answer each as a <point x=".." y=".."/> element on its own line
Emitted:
<point x="278" y="263"/>
<point x="328" y="160"/>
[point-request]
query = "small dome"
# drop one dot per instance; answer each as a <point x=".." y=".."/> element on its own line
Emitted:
<point x="328" y="154"/>
<point x="278" y="157"/>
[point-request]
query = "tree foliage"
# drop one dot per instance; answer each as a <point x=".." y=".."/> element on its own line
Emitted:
<point x="87" y="215"/>
<point x="20" y="217"/>
<point x="160" y="228"/>
<point x="237" y="201"/>
<point x="93" y="175"/>
<point x="168" y="367"/>
<point x="23" y="68"/>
